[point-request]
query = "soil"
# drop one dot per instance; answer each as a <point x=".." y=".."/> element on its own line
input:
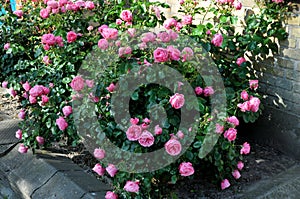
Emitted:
<point x="263" y="162"/>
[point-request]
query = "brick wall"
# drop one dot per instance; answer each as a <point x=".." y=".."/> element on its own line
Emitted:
<point x="279" y="78"/>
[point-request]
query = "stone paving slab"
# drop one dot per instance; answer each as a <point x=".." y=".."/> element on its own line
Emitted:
<point x="8" y="129"/>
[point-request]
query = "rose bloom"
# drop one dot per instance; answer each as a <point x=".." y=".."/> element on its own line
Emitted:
<point x="109" y="33"/>
<point x="89" y="5"/>
<point x="253" y="84"/>
<point x="111" y="195"/>
<point x="180" y="134"/>
<point x="99" y="153"/>
<point x="245" y="148"/>
<point x="111" y="170"/>
<point x="146" y="139"/>
<point x="164" y="37"/>
<point x="198" y="90"/>
<point x="45" y="99"/>
<point x="77" y="83"/>
<point x="23" y="148"/>
<point x="178" y="26"/>
<point x="131" y="32"/>
<point x="254" y="103"/>
<point x="236" y="174"/>
<point x="62" y="2"/>
<point x="134" y="120"/>
<point x="187" y="19"/>
<point x="4" y="84"/>
<point x="67" y="110"/>
<point x="32" y="100"/>
<point x="240" y="60"/>
<point x="46" y="60"/>
<point x="208" y="91"/>
<point x="19" y="13"/>
<point x="103" y="44"/>
<point x="148" y="37"/>
<point x="238" y="5"/>
<point x="225" y="184"/>
<point x="277" y="1"/>
<point x="12" y="92"/>
<point x="187" y="54"/>
<point x="125" y="51"/>
<point x="52" y="4"/>
<point x="173" y="35"/>
<point x="18" y="134"/>
<point x="111" y="87"/>
<point x="99" y="169"/>
<point x="71" y="36"/>
<point x="217" y="40"/>
<point x="131" y="186"/>
<point x="157" y="130"/>
<point x="36" y="91"/>
<point x="6" y="46"/>
<point x="244" y="106"/>
<point x="89" y="83"/>
<point x="22" y="114"/>
<point x="169" y="23"/>
<point x="186" y="169"/>
<point x="119" y="21"/>
<point x="40" y="140"/>
<point x="61" y="123"/>
<point x="126" y="15"/>
<point x="147" y="120"/>
<point x="134" y="132"/>
<point x="230" y="134"/>
<point x="59" y="41"/>
<point x="161" y="55"/>
<point x="174" y="53"/>
<point x="173" y="147"/>
<point x="48" y="39"/>
<point x="219" y="129"/>
<point x="102" y="27"/>
<point x="177" y="100"/>
<point x="240" y="165"/>
<point x="244" y="95"/>
<point x="233" y="120"/>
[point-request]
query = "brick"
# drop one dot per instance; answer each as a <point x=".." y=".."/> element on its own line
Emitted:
<point x="278" y="72"/>
<point x="291" y="53"/>
<point x="296" y="87"/>
<point x="291" y="74"/>
<point x="295" y="31"/>
<point x="290" y="43"/>
<point x="285" y="63"/>
<point x="294" y="20"/>
<point x="298" y="66"/>
<point x="284" y="84"/>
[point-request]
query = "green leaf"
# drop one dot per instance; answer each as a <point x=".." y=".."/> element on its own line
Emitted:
<point x="197" y="144"/>
<point x="174" y="179"/>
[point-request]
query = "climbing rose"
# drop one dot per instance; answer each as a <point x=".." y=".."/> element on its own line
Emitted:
<point x="277" y="1"/>
<point x="174" y="53"/>
<point x="169" y="23"/>
<point x="19" y="134"/>
<point x="12" y="92"/>
<point x="22" y="114"/>
<point x="131" y="186"/>
<point x="103" y="44"/>
<point x="198" y="90"/>
<point x="161" y="55"/>
<point x="186" y="169"/>
<point x="77" y="83"/>
<point x="134" y="120"/>
<point x="244" y="106"/>
<point x="109" y="33"/>
<point x="89" y="5"/>
<point x="6" y="46"/>
<point x="245" y="148"/>
<point x="173" y="147"/>
<point x="177" y="100"/>
<point x="233" y="120"/>
<point x="208" y="91"/>
<point x="180" y="134"/>
<point x="71" y="36"/>
<point x="187" y="54"/>
<point x="240" y="165"/>
<point x="134" y="132"/>
<point x="253" y="84"/>
<point x="146" y="139"/>
<point x="126" y="15"/>
<point x="240" y="61"/>
<point x="44" y="13"/>
<point x="99" y="169"/>
<point x="230" y="134"/>
<point x="67" y="110"/>
<point x="254" y="103"/>
<point x="219" y="129"/>
<point x="236" y="174"/>
<point x="238" y="5"/>
<point x="61" y="123"/>
<point x="111" y="170"/>
<point x="111" y="87"/>
<point x="23" y="148"/>
<point x="99" y="153"/>
<point x="19" y="13"/>
<point x="217" y="40"/>
<point x="40" y="140"/>
<point x="187" y="19"/>
<point x="157" y="130"/>
<point x="111" y="195"/>
<point x="225" y="184"/>
<point x="244" y="95"/>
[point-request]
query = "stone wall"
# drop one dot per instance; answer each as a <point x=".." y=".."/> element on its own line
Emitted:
<point x="279" y="78"/>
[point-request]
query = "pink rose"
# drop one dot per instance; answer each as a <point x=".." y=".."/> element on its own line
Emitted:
<point x="173" y="147"/>
<point x="126" y="15"/>
<point x="238" y="5"/>
<point x="187" y="19"/>
<point x="161" y="55"/>
<point x="208" y="32"/>
<point x="36" y="91"/>
<point x="99" y="169"/>
<point x="225" y="184"/>
<point x="46" y="47"/>
<point x="67" y="110"/>
<point x="102" y="27"/>
<point x="90" y="28"/>
<point x="254" y="103"/>
<point x="219" y="128"/>
<point x="147" y="120"/>
<point x="244" y="106"/>
<point x="6" y="46"/>
<point x="277" y="1"/>
<point x="125" y="51"/>
<point x="48" y="39"/>
<point x="157" y="12"/>
<point x="46" y="60"/>
<point x="236" y="174"/>
<point x="253" y="84"/>
<point x="148" y="37"/>
<point x="179" y="84"/>
<point x="134" y="132"/>
<point x="198" y="90"/>
<point x="19" y="13"/>
<point x="111" y="170"/>
<point x="173" y="35"/>
<point x="22" y="114"/>
<point x="109" y="33"/>
<point x="59" y="41"/>
<point x="245" y="148"/>
<point x="187" y="54"/>
<point x="233" y="120"/>
<point x="45" y="99"/>
<point x="32" y="100"/>
<point x="119" y="21"/>
<point x="180" y="134"/>
<point x="134" y="121"/>
<point x="230" y="134"/>
<point x="164" y="37"/>
<point x="77" y="83"/>
<point x="174" y="53"/>
<point x="186" y="169"/>
<point x="178" y="26"/>
<point x="25" y="95"/>
<point x="46" y="90"/>
<point x="89" y="5"/>
<point x="71" y="36"/>
<point x="240" y="61"/>
<point x="61" y="123"/>
<point x="89" y="83"/>
<point x="99" y="153"/>
<point x="19" y="134"/>
<point x="131" y="186"/>
<point x="62" y="2"/>
<point x="4" y="84"/>
<point x="55" y="11"/>
<point x="52" y="4"/>
<point x="181" y="2"/>
<point x="111" y="87"/>
<point x="23" y="148"/>
<point x="12" y="92"/>
<point x="169" y="23"/>
<point x="111" y="195"/>
<point x="131" y="32"/>
<point x="157" y="130"/>
<point x="177" y="100"/>
<point x="146" y="139"/>
<point x="103" y="44"/>
<point x="244" y="95"/>
<point x="40" y="140"/>
<point x="240" y="165"/>
<point x="217" y="40"/>
<point x="208" y="91"/>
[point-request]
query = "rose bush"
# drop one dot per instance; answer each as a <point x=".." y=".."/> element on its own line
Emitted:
<point x="46" y="44"/>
